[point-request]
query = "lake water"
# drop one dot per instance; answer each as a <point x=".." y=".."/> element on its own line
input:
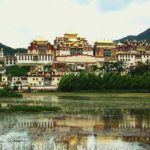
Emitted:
<point x="84" y="123"/>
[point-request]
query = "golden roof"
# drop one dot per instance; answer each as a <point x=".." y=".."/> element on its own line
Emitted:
<point x="73" y="40"/>
<point x="40" y="39"/>
<point x="105" y="41"/>
<point x="71" y="33"/>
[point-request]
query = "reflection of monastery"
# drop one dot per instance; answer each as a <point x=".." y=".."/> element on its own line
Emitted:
<point x="71" y="131"/>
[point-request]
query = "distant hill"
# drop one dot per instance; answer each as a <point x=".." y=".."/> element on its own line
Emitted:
<point x="10" y="51"/>
<point x="142" y="36"/>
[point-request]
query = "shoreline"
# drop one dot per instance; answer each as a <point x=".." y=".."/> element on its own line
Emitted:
<point x="93" y="94"/>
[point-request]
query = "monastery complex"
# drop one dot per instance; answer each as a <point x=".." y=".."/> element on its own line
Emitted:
<point x="70" y="53"/>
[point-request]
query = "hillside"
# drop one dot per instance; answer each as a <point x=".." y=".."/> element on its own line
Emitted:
<point x="10" y="51"/>
<point x="142" y="36"/>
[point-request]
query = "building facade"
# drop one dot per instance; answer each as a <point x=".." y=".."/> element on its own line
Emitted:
<point x="105" y="49"/>
<point x="1" y="54"/>
<point x="10" y="60"/>
<point x="132" y="58"/>
<point x="40" y="51"/>
<point x="72" y="44"/>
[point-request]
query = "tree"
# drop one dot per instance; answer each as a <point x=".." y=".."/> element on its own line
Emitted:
<point x="116" y="67"/>
<point x="140" y="69"/>
<point x="17" y="70"/>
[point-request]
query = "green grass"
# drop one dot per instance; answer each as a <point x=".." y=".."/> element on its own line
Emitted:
<point x="79" y="103"/>
<point x="91" y="94"/>
<point x="26" y="108"/>
<point x="6" y="93"/>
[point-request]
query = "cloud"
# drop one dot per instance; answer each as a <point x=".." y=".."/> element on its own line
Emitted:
<point x="24" y="20"/>
<point x="111" y="5"/>
<point x="82" y="1"/>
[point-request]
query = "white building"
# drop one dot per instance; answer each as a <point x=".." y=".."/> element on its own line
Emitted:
<point x="40" y="51"/>
<point x="10" y="60"/>
<point x="4" y="80"/>
<point x="2" y="69"/>
<point x="1" y="54"/>
<point x="19" y="81"/>
<point x="131" y="58"/>
<point x="36" y="81"/>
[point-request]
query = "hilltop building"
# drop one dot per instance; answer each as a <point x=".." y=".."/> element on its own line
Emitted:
<point x="40" y="51"/>
<point x="133" y="52"/>
<point x="132" y="58"/>
<point x="10" y="60"/>
<point x="105" y="49"/>
<point x="72" y="44"/>
<point x="141" y="46"/>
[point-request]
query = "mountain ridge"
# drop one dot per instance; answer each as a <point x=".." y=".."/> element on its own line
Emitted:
<point x="11" y="51"/>
<point x="142" y="36"/>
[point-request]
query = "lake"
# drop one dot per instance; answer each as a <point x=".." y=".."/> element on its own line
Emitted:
<point x="83" y="122"/>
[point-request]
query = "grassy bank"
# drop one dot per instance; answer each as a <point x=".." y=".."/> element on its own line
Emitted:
<point x="91" y="94"/>
<point x="6" y="93"/>
<point x="26" y="108"/>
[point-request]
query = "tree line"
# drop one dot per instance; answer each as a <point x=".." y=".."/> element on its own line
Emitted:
<point x="137" y="78"/>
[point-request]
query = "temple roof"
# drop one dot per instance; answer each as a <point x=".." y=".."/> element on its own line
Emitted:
<point x="105" y="41"/>
<point x="120" y="44"/>
<point x="73" y="40"/>
<point x="73" y="33"/>
<point x="40" y="39"/>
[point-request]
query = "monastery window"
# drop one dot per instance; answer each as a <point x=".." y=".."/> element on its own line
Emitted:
<point x="42" y="79"/>
<point x="36" y="78"/>
<point x="39" y="82"/>
<point x="107" y="52"/>
<point x="57" y="78"/>
<point x="33" y="78"/>
<point x="3" y="79"/>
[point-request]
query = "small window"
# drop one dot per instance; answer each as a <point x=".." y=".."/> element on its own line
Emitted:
<point x="33" y="78"/>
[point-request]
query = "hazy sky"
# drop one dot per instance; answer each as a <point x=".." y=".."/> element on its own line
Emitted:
<point x="23" y="20"/>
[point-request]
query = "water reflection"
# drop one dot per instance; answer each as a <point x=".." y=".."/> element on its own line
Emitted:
<point x="106" y="128"/>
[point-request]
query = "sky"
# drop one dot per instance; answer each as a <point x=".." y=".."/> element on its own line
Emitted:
<point x="21" y="21"/>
